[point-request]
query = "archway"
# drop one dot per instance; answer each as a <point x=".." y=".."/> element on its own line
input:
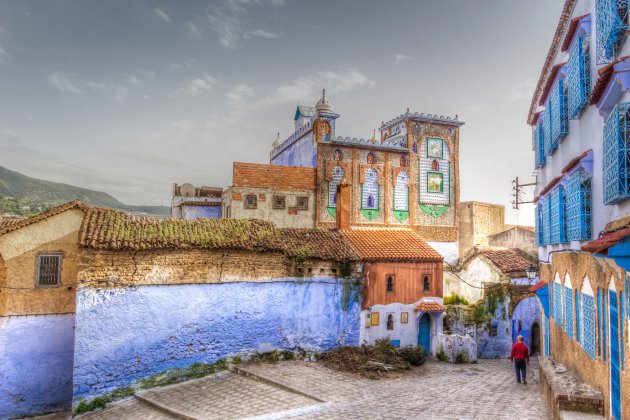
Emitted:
<point x="535" y="337"/>
<point x="526" y="315"/>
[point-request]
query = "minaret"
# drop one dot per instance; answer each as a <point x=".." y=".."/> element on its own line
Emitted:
<point x="324" y="122"/>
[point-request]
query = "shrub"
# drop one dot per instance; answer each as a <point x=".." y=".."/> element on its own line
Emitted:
<point x="462" y="357"/>
<point x="441" y="355"/>
<point x="414" y="355"/>
<point x="455" y="299"/>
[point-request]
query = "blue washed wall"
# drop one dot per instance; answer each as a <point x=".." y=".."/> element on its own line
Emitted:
<point x="301" y="153"/>
<point x="126" y="334"/>
<point x="36" y="355"/>
<point x="528" y="312"/>
<point x="201" y="212"/>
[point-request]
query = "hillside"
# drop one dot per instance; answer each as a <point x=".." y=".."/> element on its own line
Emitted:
<point x="39" y="193"/>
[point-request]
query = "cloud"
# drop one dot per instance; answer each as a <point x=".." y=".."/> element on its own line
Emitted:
<point x="401" y="58"/>
<point x="196" y="86"/>
<point x="61" y="81"/>
<point x="3" y="52"/>
<point x="260" y="33"/>
<point x="186" y="64"/>
<point x="195" y="30"/>
<point x="523" y="90"/>
<point x="162" y="15"/>
<point x="146" y="74"/>
<point x="342" y="81"/>
<point x="227" y="27"/>
<point x="240" y="93"/>
<point x="117" y="91"/>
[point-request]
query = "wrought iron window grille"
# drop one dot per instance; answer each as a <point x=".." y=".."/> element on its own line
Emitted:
<point x="578" y="206"/>
<point x="557" y="216"/>
<point x="559" y="116"/>
<point x="48" y="270"/>
<point x="579" y="76"/>
<point x="616" y="157"/>
<point x="539" y="145"/>
<point x="612" y="23"/>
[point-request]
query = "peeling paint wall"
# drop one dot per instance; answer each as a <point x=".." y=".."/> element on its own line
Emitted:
<point x="36" y="354"/>
<point x="126" y="334"/>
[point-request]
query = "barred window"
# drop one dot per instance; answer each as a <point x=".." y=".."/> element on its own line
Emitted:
<point x="557" y="208"/>
<point x="579" y="76"/>
<point x="616" y="154"/>
<point x="557" y="302"/>
<point x="539" y="144"/>
<point x="578" y="206"/>
<point x="545" y="215"/>
<point x="612" y="23"/>
<point x="578" y="320"/>
<point x="279" y="201"/>
<point x="302" y="203"/>
<point x="568" y="311"/>
<point x="48" y="269"/>
<point x="251" y="201"/>
<point x="559" y="117"/>
<point x="588" y="324"/>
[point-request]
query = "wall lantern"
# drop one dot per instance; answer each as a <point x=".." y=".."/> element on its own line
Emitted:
<point x="531" y="272"/>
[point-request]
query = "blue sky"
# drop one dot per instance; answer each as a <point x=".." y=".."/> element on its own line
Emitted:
<point x="129" y="97"/>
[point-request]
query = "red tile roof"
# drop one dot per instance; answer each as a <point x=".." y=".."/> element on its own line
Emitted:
<point x="426" y="306"/>
<point x="273" y="176"/>
<point x="506" y="259"/>
<point x="549" y="187"/>
<point x="573" y="162"/>
<point x="605" y="74"/>
<point x="315" y="243"/>
<point x="568" y="37"/>
<point x="601" y="244"/>
<point x="7" y="226"/>
<point x="538" y="286"/>
<point x="390" y="245"/>
<point x="549" y="83"/>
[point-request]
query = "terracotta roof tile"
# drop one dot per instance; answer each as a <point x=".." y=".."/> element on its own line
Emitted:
<point x="427" y="306"/>
<point x="390" y="245"/>
<point x="7" y="226"/>
<point x="538" y="286"/>
<point x="601" y="244"/>
<point x="568" y="37"/>
<point x="507" y="260"/>
<point x="273" y="176"/>
<point x="317" y="243"/>
<point x="550" y="79"/>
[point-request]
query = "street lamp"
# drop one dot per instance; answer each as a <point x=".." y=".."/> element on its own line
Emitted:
<point x="531" y="272"/>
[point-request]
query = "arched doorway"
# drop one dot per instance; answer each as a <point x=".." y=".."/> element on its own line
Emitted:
<point x="535" y="338"/>
<point x="526" y="314"/>
<point x="424" y="332"/>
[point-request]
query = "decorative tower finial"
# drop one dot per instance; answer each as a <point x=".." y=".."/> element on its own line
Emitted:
<point x="323" y="105"/>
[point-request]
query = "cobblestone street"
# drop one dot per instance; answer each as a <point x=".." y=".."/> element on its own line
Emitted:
<point x="486" y="390"/>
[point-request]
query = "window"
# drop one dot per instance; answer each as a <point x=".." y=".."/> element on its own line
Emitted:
<point x="578" y="206"/>
<point x="337" y="155"/>
<point x="403" y="161"/>
<point x="588" y="324"/>
<point x="337" y="176"/>
<point x="520" y="325"/>
<point x="279" y="201"/>
<point x="401" y="192"/>
<point x="539" y="144"/>
<point x="426" y="284"/>
<point x="302" y="203"/>
<point x="390" y="283"/>
<point x="546" y="129"/>
<point x="568" y="311"/>
<point x="579" y="76"/>
<point x="404" y="317"/>
<point x="578" y="321"/>
<point x="370" y="190"/>
<point x="371" y="158"/>
<point x="494" y="329"/>
<point x="374" y="319"/>
<point x="390" y="322"/>
<point x="599" y="321"/>
<point x="559" y="118"/>
<point x="616" y="152"/>
<point x="251" y="201"/>
<point x="48" y="269"/>
<point x="558" y="226"/>
<point x="611" y="16"/>
<point x="435" y="165"/>
<point x="557" y="302"/>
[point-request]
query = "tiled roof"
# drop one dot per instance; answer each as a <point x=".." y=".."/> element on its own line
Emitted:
<point x="550" y="80"/>
<point x="607" y="240"/>
<point x="551" y="55"/>
<point x="538" y="286"/>
<point x="390" y="245"/>
<point x="384" y="145"/>
<point x="428" y="306"/>
<point x="116" y="230"/>
<point x="441" y="119"/>
<point x="604" y="75"/>
<point x="7" y="226"/>
<point x="506" y="259"/>
<point x="273" y="176"/>
<point x="573" y="162"/>
<point x="568" y="37"/>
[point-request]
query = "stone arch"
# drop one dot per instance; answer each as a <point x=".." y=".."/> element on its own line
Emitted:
<point x="611" y="284"/>
<point x="567" y="281"/>
<point x="526" y="313"/>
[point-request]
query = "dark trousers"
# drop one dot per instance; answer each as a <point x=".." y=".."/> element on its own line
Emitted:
<point x="521" y="369"/>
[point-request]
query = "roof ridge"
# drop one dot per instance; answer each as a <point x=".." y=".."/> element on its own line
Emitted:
<point x="45" y="215"/>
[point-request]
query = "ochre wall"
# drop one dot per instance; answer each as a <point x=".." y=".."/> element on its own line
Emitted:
<point x="594" y="372"/>
<point x="408" y="283"/>
<point x="19" y="249"/>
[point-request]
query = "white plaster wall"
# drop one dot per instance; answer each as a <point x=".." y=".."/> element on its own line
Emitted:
<point x="584" y="134"/>
<point x="449" y="250"/>
<point x="475" y="274"/>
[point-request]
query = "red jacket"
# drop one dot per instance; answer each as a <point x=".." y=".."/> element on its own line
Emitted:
<point x="519" y="352"/>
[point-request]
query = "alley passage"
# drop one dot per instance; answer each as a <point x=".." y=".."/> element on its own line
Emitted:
<point x="437" y="390"/>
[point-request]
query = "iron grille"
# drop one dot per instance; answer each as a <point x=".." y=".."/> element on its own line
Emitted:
<point x="568" y="311"/>
<point x="48" y="270"/>
<point x="558" y="226"/>
<point x="557" y="302"/>
<point x="616" y="148"/>
<point x="612" y="16"/>
<point x="588" y="325"/>
<point x="559" y="119"/>
<point x="578" y="320"/>
<point x="546" y="228"/>
<point x="546" y="127"/>
<point x="539" y="229"/>
<point x="578" y="206"/>
<point x="539" y="145"/>
<point x="579" y="76"/>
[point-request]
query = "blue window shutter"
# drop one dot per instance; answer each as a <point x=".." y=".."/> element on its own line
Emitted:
<point x="616" y="150"/>
<point x="579" y="76"/>
<point x="588" y="325"/>
<point x="539" y="143"/>
<point x="577" y="316"/>
<point x="578" y="206"/>
<point x="559" y="117"/>
<point x="568" y="311"/>
<point x="611" y="19"/>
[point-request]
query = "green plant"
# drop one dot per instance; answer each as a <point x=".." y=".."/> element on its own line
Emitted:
<point x="172" y="376"/>
<point x="236" y="360"/>
<point x="102" y="401"/>
<point x="455" y="299"/>
<point x="441" y="355"/>
<point x="416" y="356"/>
<point x="302" y="253"/>
<point x="462" y="357"/>
<point x="345" y="268"/>
<point x="273" y="356"/>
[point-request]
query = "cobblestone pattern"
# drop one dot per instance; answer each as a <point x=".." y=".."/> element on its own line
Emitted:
<point x="127" y="410"/>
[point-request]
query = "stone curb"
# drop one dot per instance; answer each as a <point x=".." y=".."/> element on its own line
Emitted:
<point x="176" y="413"/>
<point x="257" y="377"/>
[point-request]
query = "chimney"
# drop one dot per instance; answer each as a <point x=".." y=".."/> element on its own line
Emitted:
<point x="343" y="205"/>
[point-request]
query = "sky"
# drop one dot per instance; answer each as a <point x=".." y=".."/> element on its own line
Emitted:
<point x="129" y="97"/>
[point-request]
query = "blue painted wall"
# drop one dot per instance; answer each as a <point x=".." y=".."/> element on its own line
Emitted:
<point x="126" y="334"/>
<point x="201" y="212"/>
<point x="528" y="312"/>
<point x="36" y="356"/>
<point x="301" y="153"/>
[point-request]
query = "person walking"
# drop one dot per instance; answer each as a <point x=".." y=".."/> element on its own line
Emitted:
<point x="520" y="357"/>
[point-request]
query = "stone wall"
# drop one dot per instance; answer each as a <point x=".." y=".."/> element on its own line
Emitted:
<point x="125" y="334"/>
<point x="517" y="237"/>
<point x="453" y="345"/>
<point x="36" y="356"/>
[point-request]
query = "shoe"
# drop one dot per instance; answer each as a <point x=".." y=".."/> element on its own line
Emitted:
<point x="524" y="382"/>
<point x="518" y="382"/>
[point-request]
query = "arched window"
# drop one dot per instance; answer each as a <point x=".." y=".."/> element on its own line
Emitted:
<point x="337" y="176"/>
<point x="435" y="165"/>
<point x="403" y="161"/>
<point x="587" y="323"/>
<point x="390" y="284"/>
<point x="337" y="155"/>
<point x="568" y="307"/>
<point x="371" y="158"/>
<point x="434" y="172"/>
<point x="401" y="192"/>
<point x="390" y="322"/>
<point x="415" y="147"/>
<point x="426" y="284"/>
<point x="370" y="190"/>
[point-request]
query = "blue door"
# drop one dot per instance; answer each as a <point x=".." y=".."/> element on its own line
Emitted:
<point x="424" y="332"/>
<point x="615" y="381"/>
